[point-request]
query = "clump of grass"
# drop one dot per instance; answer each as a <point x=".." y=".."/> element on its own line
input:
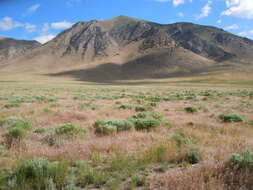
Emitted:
<point x="126" y="107"/>
<point x="191" y="109"/>
<point x="142" y="115"/>
<point x="16" y="130"/>
<point x="145" y="124"/>
<point x="112" y="126"/>
<point x="137" y="181"/>
<point x="156" y="154"/>
<point x="69" y="129"/>
<point x="11" y="105"/>
<point x="143" y="108"/>
<point x="11" y="121"/>
<point x="192" y="157"/>
<point x="243" y="161"/>
<point x="181" y="140"/>
<point x="229" y="118"/>
<point x="37" y="173"/>
<point x="40" y="130"/>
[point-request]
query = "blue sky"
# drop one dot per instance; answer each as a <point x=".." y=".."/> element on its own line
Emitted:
<point x="43" y="19"/>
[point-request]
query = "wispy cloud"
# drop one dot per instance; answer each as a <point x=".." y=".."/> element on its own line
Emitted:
<point x="232" y="27"/>
<point x="7" y="23"/>
<point x="206" y="10"/>
<point x="61" y="25"/>
<point x="31" y="10"/>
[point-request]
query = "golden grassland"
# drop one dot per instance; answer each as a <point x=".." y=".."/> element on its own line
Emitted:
<point x="137" y="159"/>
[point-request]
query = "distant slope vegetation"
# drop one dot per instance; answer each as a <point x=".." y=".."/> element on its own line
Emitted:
<point x="128" y="48"/>
<point x="11" y="48"/>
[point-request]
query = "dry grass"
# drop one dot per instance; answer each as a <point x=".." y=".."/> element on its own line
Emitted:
<point x="213" y="139"/>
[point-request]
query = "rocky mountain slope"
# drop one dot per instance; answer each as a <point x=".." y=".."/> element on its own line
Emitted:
<point x="11" y="48"/>
<point x="128" y="48"/>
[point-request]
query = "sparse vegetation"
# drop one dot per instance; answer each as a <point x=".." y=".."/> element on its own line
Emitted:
<point x="228" y="118"/>
<point x="80" y="146"/>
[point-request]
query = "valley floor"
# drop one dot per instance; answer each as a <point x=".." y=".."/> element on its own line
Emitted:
<point x="74" y="135"/>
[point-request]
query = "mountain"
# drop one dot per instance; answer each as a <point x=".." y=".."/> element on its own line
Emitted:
<point x="11" y="48"/>
<point x="129" y="48"/>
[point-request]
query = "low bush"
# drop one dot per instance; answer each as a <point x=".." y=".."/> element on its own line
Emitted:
<point x="229" y="118"/>
<point x="126" y="106"/>
<point x="191" y="109"/>
<point x="181" y="140"/>
<point x="16" y="130"/>
<point x="143" y="108"/>
<point x="145" y="124"/>
<point x="244" y="161"/>
<point x="192" y="157"/>
<point x="112" y="126"/>
<point x="37" y="173"/>
<point x="12" y="105"/>
<point x="69" y="129"/>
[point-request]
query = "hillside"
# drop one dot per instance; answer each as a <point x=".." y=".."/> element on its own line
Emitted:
<point x="11" y="48"/>
<point x="127" y="48"/>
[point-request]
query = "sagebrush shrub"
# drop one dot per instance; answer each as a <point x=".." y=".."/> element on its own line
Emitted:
<point x="69" y="129"/>
<point x="229" y="118"/>
<point x="37" y="173"/>
<point x="112" y="126"/>
<point x="145" y="124"/>
<point x="244" y="161"/>
<point x="191" y="109"/>
<point x="192" y="157"/>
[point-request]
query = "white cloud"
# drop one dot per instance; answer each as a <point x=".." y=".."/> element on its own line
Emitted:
<point x="30" y="27"/>
<point x="44" y="38"/>
<point x="7" y="23"/>
<point x="205" y="11"/>
<point x="61" y="25"/>
<point x="180" y="14"/>
<point x="239" y="8"/>
<point x="31" y="10"/>
<point x="232" y="27"/>
<point x="248" y="34"/>
<point x="174" y="2"/>
<point x="219" y="21"/>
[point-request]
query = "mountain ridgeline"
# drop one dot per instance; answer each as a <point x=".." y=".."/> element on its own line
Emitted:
<point x="11" y="48"/>
<point x="128" y="48"/>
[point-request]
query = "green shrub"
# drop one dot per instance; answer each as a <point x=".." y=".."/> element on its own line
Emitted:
<point x="191" y="109"/>
<point x="40" y="130"/>
<point x="145" y="124"/>
<point x="112" y="126"/>
<point x="153" y="104"/>
<point x="37" y="173"/>
<point x="192" y="157"/>
<point x="12" y="105"/>
<point x="244" y="161"/>
<point x="137" y="181"/>
<point x="142" y="115"/>
<point x="250" y="122"/>
<point x="92" y="176"/>
<point x="156" y="154"/>
<point x="16" y="130"/>
<point x="228" y="118"/>
<point x="181" y="140"/>
<point x="142" y="108"/>
<point x="126" y="106"/>
<point x="10" y="121"/>
<point x="69" y="129"/>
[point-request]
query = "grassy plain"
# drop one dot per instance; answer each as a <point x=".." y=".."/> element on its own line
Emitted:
<point x="63" y="134"/>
